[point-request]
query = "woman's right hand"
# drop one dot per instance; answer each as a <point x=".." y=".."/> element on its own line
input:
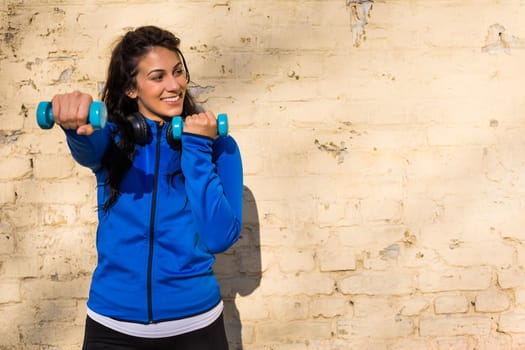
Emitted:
<point x="71" y="111"/>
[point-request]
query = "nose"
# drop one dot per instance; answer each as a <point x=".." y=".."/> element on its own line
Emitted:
<point x="173" y="83"/>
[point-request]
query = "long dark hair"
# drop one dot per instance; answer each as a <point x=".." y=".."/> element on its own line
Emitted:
<point x="121" y="78"/>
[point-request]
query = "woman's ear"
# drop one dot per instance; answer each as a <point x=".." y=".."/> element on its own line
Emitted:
<point x="132" y="93"/>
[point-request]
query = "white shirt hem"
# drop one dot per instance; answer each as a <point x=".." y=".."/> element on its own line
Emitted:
<point x="161" y="329"/>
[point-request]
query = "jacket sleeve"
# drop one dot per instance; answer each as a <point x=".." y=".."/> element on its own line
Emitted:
<point x="89" y="150"/>
<point x="214" y="185"/>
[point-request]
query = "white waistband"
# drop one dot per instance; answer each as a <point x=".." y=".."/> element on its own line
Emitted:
<point x="161" y="329"/>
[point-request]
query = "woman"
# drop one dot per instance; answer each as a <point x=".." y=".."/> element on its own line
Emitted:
<point x="165" y="206"/>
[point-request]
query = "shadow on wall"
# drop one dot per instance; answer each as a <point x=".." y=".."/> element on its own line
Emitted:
<point x="239" y="270"/>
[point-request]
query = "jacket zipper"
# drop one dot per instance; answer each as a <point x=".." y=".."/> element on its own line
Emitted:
<point x="152" y="224"/>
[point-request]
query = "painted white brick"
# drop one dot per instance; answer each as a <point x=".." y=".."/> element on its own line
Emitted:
<point x="454" y="326"/>
<point x="14" y="168"/>
<point x="9" y="291"/>
<point x="451" y="304"/>
<point x="375" y="327"/>
<point x="378" y="283"/>
<point x="455" y="279"/>
<point x="329" y="307"/>
<point x="513" y="322"/>
<point x="492" y="301"/>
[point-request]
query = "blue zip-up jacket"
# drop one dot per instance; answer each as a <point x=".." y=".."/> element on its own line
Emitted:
<point x="176" y="209"/>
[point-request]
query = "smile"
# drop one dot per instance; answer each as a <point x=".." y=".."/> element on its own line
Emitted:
<point x="171" y="99"/>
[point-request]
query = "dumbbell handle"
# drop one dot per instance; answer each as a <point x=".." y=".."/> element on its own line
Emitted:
<point x="97" y="117"/>
<point x="177" y="125"/>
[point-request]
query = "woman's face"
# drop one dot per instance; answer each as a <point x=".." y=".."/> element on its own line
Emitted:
<point x="160" y="84"/>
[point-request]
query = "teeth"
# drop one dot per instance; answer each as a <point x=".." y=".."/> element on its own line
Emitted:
<point x="172" y="99"/>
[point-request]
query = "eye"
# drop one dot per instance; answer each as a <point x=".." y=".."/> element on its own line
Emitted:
<point x="157" y="77"/>
<point x="178" y="72"/>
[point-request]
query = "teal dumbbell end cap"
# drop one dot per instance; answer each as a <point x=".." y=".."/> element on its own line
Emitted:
<point x="176" y="127"/>
<point x="44" y="115"/>
<point x="98" y="114"/>
<point x="222" y="124"/>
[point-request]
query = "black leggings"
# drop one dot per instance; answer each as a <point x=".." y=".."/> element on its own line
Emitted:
<point x="99" y="337"/>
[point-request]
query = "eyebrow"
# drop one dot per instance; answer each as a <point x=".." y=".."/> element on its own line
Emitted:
<point x="162" y="70"/>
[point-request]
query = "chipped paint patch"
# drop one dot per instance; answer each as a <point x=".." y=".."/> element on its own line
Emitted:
<point x="359" y="15"/>
<point x="498" y="41"/>
<point x="338" y="152"/>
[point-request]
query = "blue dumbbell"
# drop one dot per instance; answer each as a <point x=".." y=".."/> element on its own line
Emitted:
<point x="97" y="117"/>
<point x="177" y="125"/>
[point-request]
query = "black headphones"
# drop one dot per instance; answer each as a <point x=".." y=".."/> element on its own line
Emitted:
<point x="141" y="132"/>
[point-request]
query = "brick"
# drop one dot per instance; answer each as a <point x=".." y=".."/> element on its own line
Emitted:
<point x="497" y="341"/>
<point x="49" y="289"/>
<point x="7" y="241"/>
<point x="451" y="304"/>
<point x="14" y="168"/>
<point x="330" y="213"/>
<point x="511" y="277"/>
<point x="57" y="192"/>
<point x="297" y="260"/>
<point x="293" y="236"/>
<point x="7" y="193"/>
<point x="381" y="235"/>
<point x="292" y="331"/>
<point x="55" y="215"/>
<point x="492" y="301"/>
<point x="291" y="309"/>
<point x="49" y="142"/>
<point x="259" y="308"/>
<point x="414" y="306"/>
<point x="365" y="306"/>
<point x="21" y="267"/>
<point x="12" y="119"/>
<point x="456" y="343"/>
<point x="87" y="214"/>
<point x="53" y="333"/>
<point x="56" y="311"/>
<point x="381" y="209"/>
<point x="474" y="253"/>
<point x="454" y="326"/>
<point x="392" y="327"/>
<point x="9" y="291"/>
<point x="519" y="296"/>
<point x="13" y="315"/>
<point x="286" y="284"/>
<point x="455" y="279"/>
<point x="518" y="342"/>
<point x="53" y="167"/>
<point x="512" y="322"/>
<point x="378" y="283"/>
<point x="329" y="307"/>
<point x="21" y="216"/>
<point x="337" y="258"/>
<point x="64" y="265"/>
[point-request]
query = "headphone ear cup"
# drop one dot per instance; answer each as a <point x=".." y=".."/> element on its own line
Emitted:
<point x="139" y="128"/>
<point x="174" y="144"/>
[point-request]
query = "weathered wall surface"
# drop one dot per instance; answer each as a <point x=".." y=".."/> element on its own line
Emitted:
<point x="385" y="169"/>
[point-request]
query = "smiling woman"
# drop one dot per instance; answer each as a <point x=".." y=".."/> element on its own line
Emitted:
<point x="160" y="85"/>
<point x="166" y="206"/>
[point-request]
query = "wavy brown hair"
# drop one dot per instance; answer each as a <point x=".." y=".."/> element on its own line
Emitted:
<point x="121" y="78"/>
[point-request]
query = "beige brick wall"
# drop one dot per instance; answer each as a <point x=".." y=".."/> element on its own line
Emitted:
<point x="385" y="182"/>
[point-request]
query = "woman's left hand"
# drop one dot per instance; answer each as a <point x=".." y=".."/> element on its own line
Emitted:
<point x="204" y="124"/>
